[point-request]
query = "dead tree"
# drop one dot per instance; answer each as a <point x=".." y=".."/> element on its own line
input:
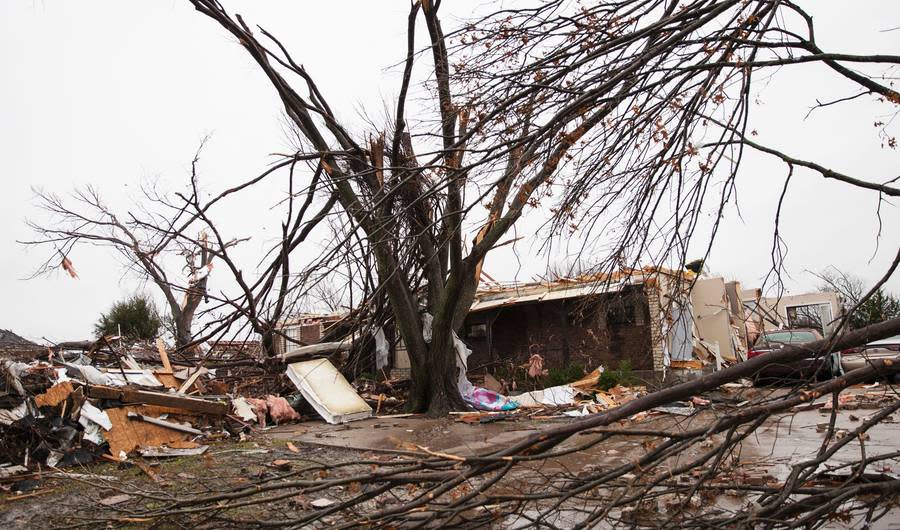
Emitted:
<point x="140" y="238"/>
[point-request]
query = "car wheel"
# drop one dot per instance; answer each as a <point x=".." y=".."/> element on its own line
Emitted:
<point x="825" y="371"/>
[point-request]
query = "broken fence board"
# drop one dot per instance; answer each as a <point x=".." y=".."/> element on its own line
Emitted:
<point x="190" y="381"/>
<point x="163" y="356"/>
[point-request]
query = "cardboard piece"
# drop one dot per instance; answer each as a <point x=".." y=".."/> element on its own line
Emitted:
<point x="54" y="395"/>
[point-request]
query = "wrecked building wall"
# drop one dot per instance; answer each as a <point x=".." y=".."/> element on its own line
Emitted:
<point x="713" y="317"/>
<point x="808" y="310"/>
<point x="588" y="331"/>
<point x="657" y="338"/>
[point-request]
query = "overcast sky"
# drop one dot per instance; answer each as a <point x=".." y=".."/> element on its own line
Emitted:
<point x="113" y="93"/>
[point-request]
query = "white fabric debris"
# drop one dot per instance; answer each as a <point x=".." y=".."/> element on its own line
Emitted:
<point x="381" y="349"/>
<point x="90" y="374"/>
<point x="555" y="395"/>
<point x="8" y="416"/>
<point x="462" y="359"/>
<point x="15" y="371"/>
<point x="427" y="322"/>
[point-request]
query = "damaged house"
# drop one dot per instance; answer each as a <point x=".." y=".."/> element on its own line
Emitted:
<point x="656" y="320"/>
<point x="644" y="317"/>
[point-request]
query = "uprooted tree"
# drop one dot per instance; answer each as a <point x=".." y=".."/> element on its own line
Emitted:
<point x="622" y="112"/>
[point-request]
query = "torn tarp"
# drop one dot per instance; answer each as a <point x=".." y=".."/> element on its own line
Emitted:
<point x="477" y="397"/>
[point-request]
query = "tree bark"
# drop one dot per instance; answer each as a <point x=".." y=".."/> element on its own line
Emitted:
<point x="435" y="375"/>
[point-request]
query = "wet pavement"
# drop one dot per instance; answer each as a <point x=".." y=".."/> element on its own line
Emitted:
<point x="783" y="440"/>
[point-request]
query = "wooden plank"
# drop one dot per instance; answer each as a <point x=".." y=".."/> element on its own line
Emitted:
<point x="54" y="395"/>
<point x="163" y="356"/>
<point x="127" y="395"/>
<point x="168" y="380"/>
<point x="190" y="381"/>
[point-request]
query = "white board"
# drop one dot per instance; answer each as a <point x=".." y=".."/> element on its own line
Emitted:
<point x="323" y="386"/>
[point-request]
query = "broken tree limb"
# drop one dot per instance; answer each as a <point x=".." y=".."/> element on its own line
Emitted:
<point x="126" y="395"/>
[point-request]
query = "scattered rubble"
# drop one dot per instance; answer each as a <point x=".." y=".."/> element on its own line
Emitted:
<point x="74" y="408"/>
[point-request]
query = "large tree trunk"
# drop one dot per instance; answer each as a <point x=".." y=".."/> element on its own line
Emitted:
<point x="434" y="388"/>
<point x="183" y="324"/>
<point x="268" y="342"/>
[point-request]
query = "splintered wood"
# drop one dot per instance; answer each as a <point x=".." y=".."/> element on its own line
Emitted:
<point x="127" y="435"/>
<point x="54" y="395"/>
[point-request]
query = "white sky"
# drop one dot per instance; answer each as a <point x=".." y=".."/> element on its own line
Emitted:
<point x="109" y="93"/>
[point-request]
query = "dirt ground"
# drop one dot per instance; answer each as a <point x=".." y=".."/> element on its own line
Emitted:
<point x="77" y="500"/>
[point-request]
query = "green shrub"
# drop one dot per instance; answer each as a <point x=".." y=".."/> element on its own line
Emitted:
<point x="620" y="376"/>
<point x="136" y="316"/>
<point x="562" y="376"/>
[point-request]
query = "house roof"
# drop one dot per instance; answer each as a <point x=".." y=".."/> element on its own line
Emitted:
<point x="541" y="293"/>
<point x="494" y="295"/>
<point x="8" y="338"/>
<point x="302" y="319"/>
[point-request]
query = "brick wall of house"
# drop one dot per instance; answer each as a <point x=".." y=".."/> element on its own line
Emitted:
<point x="566" y="332"/>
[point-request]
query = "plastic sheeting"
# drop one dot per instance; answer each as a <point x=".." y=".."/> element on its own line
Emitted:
<point x="553" y="396"/>
<point x="477" y="397"/>
<point x="381" y="349"/>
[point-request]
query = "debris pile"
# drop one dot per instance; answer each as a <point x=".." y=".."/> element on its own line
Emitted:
<point x="67" y="413"/>
<point x="81" y="404"/>
<point x="580" y="398"/>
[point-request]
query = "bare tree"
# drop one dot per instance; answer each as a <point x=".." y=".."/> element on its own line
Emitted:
<point x="881" y="306"/>
<point x="161" y="230"/>
<point x="622" y="111"/>
<point x="137" y="237"/>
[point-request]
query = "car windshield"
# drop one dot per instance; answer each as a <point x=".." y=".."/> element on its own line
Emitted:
<point x="788" y="337"/>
